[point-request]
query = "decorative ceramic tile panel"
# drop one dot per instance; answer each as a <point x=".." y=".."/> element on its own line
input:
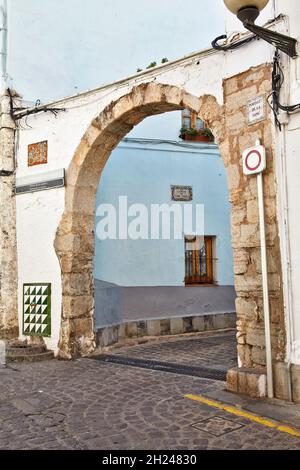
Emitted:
<point x="37" y="310"/>
<point x="38" y="153"/>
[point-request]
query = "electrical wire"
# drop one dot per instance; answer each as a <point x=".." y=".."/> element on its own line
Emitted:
<point x="233" y="45"/>
<point x="277" y="83"/>
<point x="139" y="80"/>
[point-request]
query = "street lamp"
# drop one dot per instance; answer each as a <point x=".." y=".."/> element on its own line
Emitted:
<point x="248" y="11"/>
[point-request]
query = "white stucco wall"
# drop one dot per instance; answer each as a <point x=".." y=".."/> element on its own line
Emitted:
<point x="38" y="216"/>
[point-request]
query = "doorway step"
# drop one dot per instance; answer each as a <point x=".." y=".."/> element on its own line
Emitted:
<point x="22" y="351"/>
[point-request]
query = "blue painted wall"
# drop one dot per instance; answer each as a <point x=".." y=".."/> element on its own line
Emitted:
<point x="144" y="172"/>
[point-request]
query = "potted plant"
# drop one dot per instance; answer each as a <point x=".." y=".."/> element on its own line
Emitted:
<point x="194" y="135"/>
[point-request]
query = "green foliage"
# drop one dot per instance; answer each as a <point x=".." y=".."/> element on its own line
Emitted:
<point x="184" y="131"/>
<point x="208" y="133"/>
<point x="193" y="132"/>
<point x="152" y="65"/>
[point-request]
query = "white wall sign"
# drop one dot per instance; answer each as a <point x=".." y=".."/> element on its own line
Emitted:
<point x="41" y="182"/>
<point x="254" y="160"/>
<point x="256" y="110"/>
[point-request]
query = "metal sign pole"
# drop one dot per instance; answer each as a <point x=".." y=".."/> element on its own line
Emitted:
<point x="255" y="163"/>
<point x="264" y="266"/>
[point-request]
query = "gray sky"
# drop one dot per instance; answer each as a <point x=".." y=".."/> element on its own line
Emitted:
<point x="59" y="47"/>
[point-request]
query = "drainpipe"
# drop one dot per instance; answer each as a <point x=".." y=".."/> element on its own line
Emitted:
<point x="4" y="35"/>
<point x="286" y="248"/>
<point x="283" y="204"/>
<point x="284" y="226"/>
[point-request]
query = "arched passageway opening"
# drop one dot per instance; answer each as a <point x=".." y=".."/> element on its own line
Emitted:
<point x="75" y="237"/>
<point x="74" y="242"/>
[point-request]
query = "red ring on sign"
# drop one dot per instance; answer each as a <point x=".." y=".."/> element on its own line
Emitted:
<point x="246" y="160"/>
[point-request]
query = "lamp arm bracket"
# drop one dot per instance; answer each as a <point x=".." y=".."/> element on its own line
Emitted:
<point x="282" y="42"/>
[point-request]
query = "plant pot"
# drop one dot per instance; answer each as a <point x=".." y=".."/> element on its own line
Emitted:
<point x="196" y="138"/>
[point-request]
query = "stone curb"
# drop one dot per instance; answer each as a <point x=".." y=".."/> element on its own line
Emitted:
<point x="113" y="335"/>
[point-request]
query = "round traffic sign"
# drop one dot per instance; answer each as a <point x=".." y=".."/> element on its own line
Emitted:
<point x="253" y="160"/>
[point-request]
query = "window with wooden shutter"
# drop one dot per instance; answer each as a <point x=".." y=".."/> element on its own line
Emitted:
<point x="190" y="120"/>
<point x="199" y="260"/>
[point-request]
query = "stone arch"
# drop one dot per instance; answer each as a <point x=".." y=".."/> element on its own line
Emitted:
<point x="74" y="243"/>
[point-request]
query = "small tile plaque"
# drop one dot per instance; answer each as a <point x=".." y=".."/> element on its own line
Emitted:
<point x="182" y="193"/>
<point x="256" y="110"/>
<point x="38" y="153"/>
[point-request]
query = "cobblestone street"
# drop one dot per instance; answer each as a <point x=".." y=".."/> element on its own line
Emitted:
<point x="216" y="350"/>
<point x="89" y="404"/>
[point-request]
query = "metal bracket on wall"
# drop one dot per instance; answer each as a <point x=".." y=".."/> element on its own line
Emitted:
<point x="282" y="42"/>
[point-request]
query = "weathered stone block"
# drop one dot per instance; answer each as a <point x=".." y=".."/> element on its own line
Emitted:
<point x="78" y="284"/>
<point x="132" y="330"/>
<point x="281" y="380"/>
<point x="107" y="336"/>
<point x="256" y="337"/>
<point x="246" y="308"/>
<point x="198" y="323"/>
<point x="188" y="324"/>
<point x="219" y="321"/>
<point x="208" y="323"/>
<point x="142" y="329"/>
<point x="237" y="100"/>
<point x="252" y="212"/>
<point x="234" y="176"/>
<point x="241" y="261"/>
<point x="245" y="355"/>
<point x="230" y="320"/>
<point x="165" y="327"/>
<point x="236" y="123"/>
<point x="246" y="284"/>
<point x="231" y="85"/>
<point x="250" y="235"/>
<point x="153" y="327"/>
<point x="249" y="382"/>
<point x="259" y="355"/>
<point x="176" y="326"/>
<point x="296" y="383"/>
<point x="79" y="306"/>
<point x="232" y="381"/>
<point x="256" y="384"/>
<point x="122" y="332"/>
<point x="238" y="216"/>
